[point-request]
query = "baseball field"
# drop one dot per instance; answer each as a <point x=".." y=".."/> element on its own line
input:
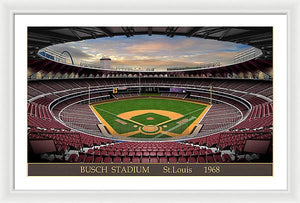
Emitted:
<point x="150" y="117"/>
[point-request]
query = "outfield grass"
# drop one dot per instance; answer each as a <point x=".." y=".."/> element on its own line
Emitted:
<point x="156" y="119"/>
<point x="110" y="110"/>
<point x="150" y="94"/>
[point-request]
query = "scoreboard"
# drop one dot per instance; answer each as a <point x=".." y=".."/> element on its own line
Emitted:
<point x="177" y="90"/>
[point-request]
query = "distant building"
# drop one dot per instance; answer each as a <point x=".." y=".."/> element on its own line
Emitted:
<point x="105" y="63"/>
<point x="89" y="64"/>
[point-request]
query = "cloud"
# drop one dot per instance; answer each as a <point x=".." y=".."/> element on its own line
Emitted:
<point x="148" y="47"/>
<point x="153" y="63"/>
<point x="156" y="50"/>
<point x="223" y="57"/>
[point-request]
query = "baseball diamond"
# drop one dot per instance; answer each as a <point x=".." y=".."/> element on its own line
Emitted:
<point x="150" y="117"/>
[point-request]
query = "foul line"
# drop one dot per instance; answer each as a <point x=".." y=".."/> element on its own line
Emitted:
<point x="175" y="127"/>
<point x="135" y="122"/>
<point x="110" y="129"/>
<point x="163" y="123"/>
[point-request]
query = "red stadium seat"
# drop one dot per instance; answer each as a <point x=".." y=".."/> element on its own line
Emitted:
<point x="201" y="159"/>
<point x="189" y="153"/>
<point x="192" y="160"/>
<point x="168" y="153"/>
<point x="136" y="160"/>
<point x="217" y="158"/>
<point x="73" y="158"/>
<point x="146" y="153"/>
<point x="172" y="159"/>
<point x="98" y="159"/>
<point x="97" y="152"/>
<point x="81" y="158"/>
<point x="182" y="153"/>
<point x="145" y="160"/>
<point x="89" y="159"/>
<point x="153" y="153"/>
<point x="131" y="153"/>
<point x="202" y="152"/>
<point x="226" y="158"/>
<point x="174" y="153"/>
<point x="160" y="153"/>
<point x="117" y="159"/>
<point x="209" y="151"/>
<point x="210" y="159"/>
<point x="107" y="159"/>
<point x="124" y="153"/>
<point x="126" y="160"/>
<point x="163" y="160"/>
<point x="182" y="160"/>
<point x="90" y="151"/>
<point x="153" y="160"/>
<point x="136" y="154"/>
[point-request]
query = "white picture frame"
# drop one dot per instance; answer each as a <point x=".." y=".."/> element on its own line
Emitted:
<point x="8" y="11"/>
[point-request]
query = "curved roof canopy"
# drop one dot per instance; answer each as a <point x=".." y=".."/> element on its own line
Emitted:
<point x="259" y="37"/>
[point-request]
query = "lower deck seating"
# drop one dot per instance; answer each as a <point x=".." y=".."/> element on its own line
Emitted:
<point x="78" y="147"/>
<point x="234" y="140"/>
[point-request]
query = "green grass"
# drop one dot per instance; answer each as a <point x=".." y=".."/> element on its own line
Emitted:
<point x="110" y="110"/>
<point x="143" y="119"/>
<point x="150" y="94"/>
<point x="118" y="127"/>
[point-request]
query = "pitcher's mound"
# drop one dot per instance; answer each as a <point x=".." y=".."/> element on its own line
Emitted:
<point x="150" y="118"/>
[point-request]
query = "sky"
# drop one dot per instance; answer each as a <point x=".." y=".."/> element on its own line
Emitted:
<point x="152" y="51"/>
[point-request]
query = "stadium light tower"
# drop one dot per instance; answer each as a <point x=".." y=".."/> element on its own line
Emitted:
<point x="211" y="87"/>
<point x="139" y="83"/>
<point x="89" y="95"/>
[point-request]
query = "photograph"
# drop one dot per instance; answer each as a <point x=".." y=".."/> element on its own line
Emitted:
<point x="150" y="101"/>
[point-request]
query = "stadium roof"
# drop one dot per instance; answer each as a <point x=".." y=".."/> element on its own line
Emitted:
<point x="259" y="37"/>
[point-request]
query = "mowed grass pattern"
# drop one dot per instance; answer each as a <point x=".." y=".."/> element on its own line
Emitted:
<point x="110" y="110"/>
<point x="156" y="119"/>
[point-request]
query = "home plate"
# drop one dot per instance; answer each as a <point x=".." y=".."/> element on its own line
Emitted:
<point x="150" y="128"/>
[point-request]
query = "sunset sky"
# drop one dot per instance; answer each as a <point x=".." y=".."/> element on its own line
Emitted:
<point x="152" y="51"/>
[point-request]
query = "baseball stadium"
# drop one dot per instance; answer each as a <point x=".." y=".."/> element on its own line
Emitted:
<point x="150" y="94"/>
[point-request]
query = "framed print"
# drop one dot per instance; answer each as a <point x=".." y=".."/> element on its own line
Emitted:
<point x="129" y="101"/>
<point x="210" y="114"/>
<point x="175" y="104"/>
